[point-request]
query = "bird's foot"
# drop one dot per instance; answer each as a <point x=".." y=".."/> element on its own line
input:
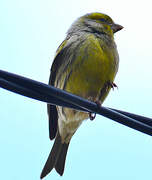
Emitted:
<point x="93" y="115"/>
<point x="112" y="85"/>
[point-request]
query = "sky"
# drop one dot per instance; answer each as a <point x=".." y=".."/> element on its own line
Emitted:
<point x="30" y="32"/>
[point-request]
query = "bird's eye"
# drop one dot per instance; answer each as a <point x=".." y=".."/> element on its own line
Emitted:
<point x="102" y="19"/>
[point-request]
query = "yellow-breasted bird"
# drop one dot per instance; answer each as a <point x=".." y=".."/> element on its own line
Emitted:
<point x="85" y="64"/>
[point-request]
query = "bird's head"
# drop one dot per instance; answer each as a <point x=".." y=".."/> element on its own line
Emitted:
<point x="101" y="21"/>
<point x="95" y="23"/>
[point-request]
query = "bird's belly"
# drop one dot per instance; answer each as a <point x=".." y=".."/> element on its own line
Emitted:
<point x="85" y="77"/>
<point x="69" y="121"/>
<point x="88" y="79"/>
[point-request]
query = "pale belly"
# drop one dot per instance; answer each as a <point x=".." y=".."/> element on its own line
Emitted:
<point x="69" y="121"/>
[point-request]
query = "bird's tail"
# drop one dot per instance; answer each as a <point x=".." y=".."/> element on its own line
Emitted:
<point x="56" y="157"/>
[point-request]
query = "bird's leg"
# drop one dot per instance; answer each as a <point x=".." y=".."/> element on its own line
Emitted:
<point x="93" y="115"/>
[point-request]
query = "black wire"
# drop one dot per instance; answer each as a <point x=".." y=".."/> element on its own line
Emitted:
<point x="142" y="119"/>
<point x="34" y="95"/>
<point x="52" y="95"/>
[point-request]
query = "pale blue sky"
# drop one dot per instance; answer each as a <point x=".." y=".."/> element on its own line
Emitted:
<point x="30" y="32"/>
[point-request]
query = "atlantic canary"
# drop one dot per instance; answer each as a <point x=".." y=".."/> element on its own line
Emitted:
<point x="85" y="64"/>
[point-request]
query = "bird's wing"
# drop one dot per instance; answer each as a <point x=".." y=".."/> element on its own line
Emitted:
<point x="51" y="109"/>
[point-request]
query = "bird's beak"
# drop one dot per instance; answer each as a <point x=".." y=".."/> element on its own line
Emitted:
<point x="116" y="27"/>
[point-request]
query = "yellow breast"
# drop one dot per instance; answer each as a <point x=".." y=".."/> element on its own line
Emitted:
<point x="94" y="65"/>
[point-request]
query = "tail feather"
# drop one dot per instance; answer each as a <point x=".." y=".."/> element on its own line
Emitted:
<point x="59" y="166"/>
<point x="56" y="158"/>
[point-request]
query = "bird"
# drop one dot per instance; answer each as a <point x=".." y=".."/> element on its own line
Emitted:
<point x="85" y="64"/>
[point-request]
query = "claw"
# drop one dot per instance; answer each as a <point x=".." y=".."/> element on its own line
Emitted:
<point x="92" y="116"/>
<point x="98" y="103"/>
<point x="113" y="85"/>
